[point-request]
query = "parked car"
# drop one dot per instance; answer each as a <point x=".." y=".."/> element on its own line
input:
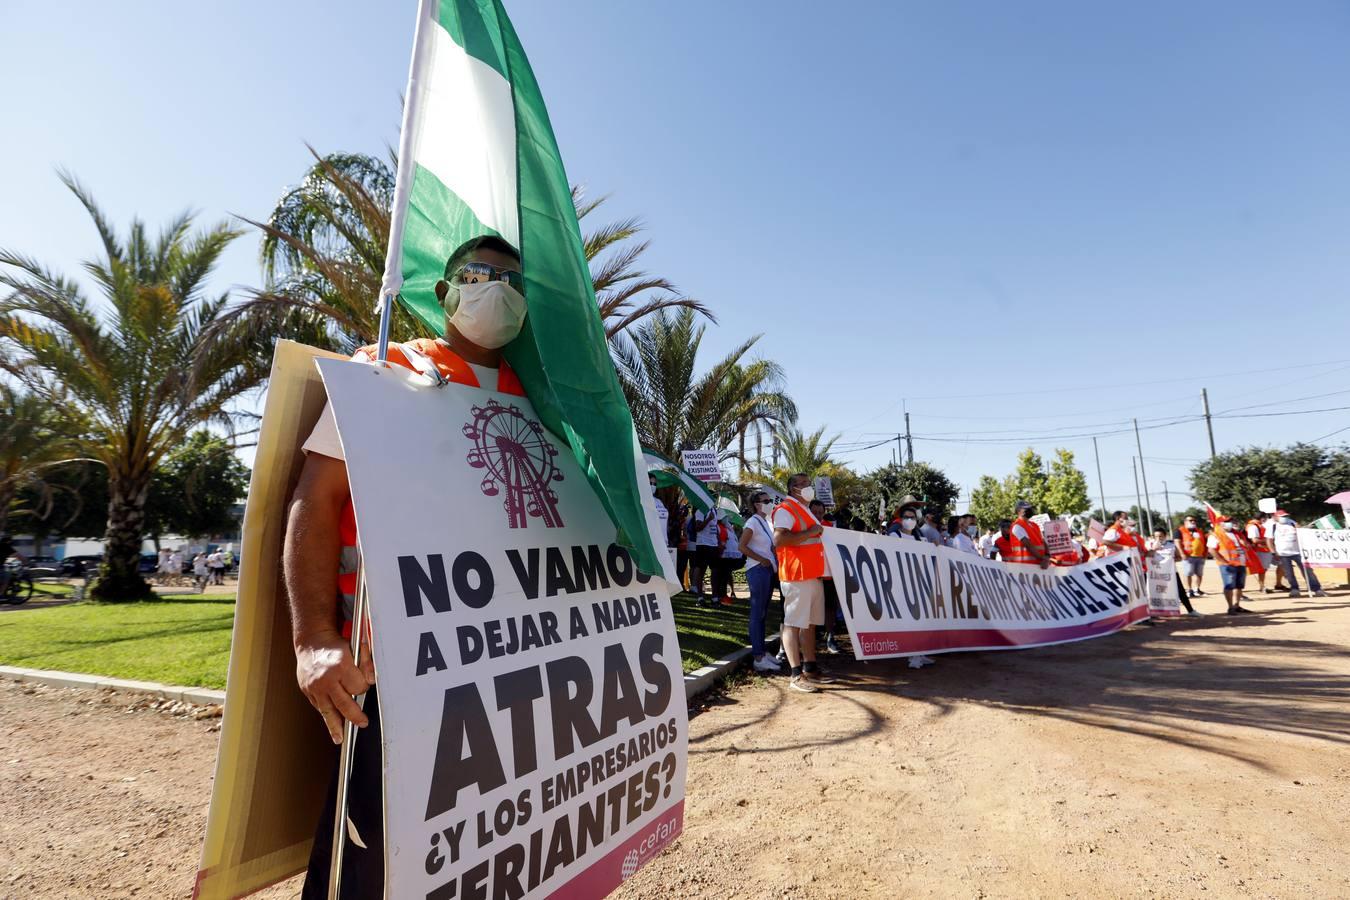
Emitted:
<point x="42" y="567"/>
<point x="77" y="566"/>
<point x="149" y="563"/>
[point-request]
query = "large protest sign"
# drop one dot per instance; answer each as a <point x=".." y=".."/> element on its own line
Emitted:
<point x="274" y="758"/>
<point x="529" y="675"/>
<point x="1163" y="599"/>
<point x="1325" y="549"/>
<point x="702" y="464"/>
<point x="905" y="597"/>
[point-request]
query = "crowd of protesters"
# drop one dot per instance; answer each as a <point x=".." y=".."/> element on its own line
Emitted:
<point x="779" y="546"/>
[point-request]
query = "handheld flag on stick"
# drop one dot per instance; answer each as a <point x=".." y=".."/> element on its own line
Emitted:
<point x="477" y="157"/>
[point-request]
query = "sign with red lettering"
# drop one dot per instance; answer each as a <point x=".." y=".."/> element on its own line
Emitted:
<point x="530" y="687"/>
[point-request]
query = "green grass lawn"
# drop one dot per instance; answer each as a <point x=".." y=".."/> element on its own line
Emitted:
<point x="186" y="639"/>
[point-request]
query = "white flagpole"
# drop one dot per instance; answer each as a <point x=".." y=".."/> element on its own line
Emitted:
<point x="390" y="285"/>
<point x="403" y="178"/>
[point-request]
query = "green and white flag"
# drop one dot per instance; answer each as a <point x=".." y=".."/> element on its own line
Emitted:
<point x="477" y="156"/>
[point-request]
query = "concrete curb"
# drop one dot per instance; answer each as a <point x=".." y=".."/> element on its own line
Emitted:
<point x="199" y="696"/>
<point x="695" y="682"/>
<point x="700" y="680"/>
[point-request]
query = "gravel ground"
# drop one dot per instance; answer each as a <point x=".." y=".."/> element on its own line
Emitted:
<point x="1206" y="757"/>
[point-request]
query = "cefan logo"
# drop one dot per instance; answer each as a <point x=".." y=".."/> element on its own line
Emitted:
<point x="649" y="845"/>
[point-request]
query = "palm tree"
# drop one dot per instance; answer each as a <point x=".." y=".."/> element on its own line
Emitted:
<point x="135" y="365"/>
<point x="33" y="439"/>
<point x="323" y="255"/>
<point x="674" y="409"/>
<point x="803" y="452"/>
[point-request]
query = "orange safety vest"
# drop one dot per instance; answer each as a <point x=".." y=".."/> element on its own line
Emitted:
<point x="1231" y="552"/>
<point x="453" y="367"/>
<point x="1003" y="545"/>
<point x="800" y="562"/>
<point x="1019" y="554"/>
<point x="1196" y="547"/>
<point x="1260" y="543"/>
<point x="1253" y="561"/>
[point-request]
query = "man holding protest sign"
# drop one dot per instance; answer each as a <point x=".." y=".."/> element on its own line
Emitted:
<point x="801" y="566"/>
<point x="1028" y="544"/>
<point x="484" y="310"/>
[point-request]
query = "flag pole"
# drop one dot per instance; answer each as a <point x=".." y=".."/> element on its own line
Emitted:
<point x="392" y="282"/>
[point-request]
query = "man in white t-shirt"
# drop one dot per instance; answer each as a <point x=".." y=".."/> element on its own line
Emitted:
<point x="801" y="565"/>
<point x="707" y="551"/>
<point x="1284" y="540"/>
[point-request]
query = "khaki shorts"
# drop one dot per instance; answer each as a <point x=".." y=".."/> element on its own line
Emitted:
<point x="803" y="603"/>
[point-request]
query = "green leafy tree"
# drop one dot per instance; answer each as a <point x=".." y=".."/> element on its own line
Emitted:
<point x="884" y="488"/>
<point x="1066" y="490"/>
<point x="1299" y="477"/>
<point x="323" y="256"/>
<point x="195" y="489"/>
<point x="136" y="364"/>
<point x="34" y="441"/>
<point x="1140" y="516"/>
<point x="1031" y="479"/>
<point x="992" y="500"/>
<point x="676" y="409"/>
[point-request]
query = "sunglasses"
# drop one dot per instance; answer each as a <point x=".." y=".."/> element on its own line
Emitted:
<point x="479" y="272"/>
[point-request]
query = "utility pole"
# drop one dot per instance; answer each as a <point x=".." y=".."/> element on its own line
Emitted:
<point x="1148" y="510"/>
<point x="1209" y="422"/>
<point x="1100" y="490"/>
<point x="898" y="453"/>
<point x="1134" y="467"/>
<point x="1167" y="505"/>
<point x="909" y="442"/>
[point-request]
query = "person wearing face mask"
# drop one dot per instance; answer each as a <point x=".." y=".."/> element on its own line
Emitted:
<point x="1231" y="556"/>
<point x="905" y="521"/>
<point x="760" y="563"/>
<point x="1003" y="544"/>
<point x="963" y="534"/>
<point x="482" y="295"/>
<point x="1284" y="540"/>
<point x="801" y="565"/>
<point x="1028" y="545"/>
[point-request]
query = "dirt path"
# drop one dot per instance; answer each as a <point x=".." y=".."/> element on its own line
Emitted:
<point x="1207" y="757"/>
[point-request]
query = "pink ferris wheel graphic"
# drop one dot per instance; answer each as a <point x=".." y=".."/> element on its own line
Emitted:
<point x="518" y="460"/>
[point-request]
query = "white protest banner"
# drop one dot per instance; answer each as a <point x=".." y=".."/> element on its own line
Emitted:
<point x="1057" y="537"/>
<point x="702" y="464"/>
<point x="530" y="686"/>
<point x="1325" y="549"/>
<point x="1163" y="599"/>
<point x="906" y="597"/>
<point x="824" y="491"/>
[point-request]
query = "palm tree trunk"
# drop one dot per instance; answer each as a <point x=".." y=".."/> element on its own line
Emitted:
<point x="119" y="577"/>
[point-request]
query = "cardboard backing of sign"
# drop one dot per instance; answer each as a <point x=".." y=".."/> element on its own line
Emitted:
<point x="274" y="759"/>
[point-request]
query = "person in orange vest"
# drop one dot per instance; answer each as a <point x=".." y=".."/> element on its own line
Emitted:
<point x="1028" y="544"/>
<point x="1190" y="538"/>
<point x="482" y="294"/>
<point x="1003" y="544"/>
<point x="1231" y="556"/>
<point x="1258" y="541"/>
<point x="1121" y="536"/>
<point x="801" y="566"/>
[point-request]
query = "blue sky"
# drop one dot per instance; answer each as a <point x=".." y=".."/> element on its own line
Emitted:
<point x="1016" y="221"/>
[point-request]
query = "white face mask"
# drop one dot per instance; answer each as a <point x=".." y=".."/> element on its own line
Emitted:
<point x="973" y="530"/>
<point x="909" y="524"/>
<point x="1228" y="526"/>
<point x="489" y="313"/>
<point x="808" y="494"/>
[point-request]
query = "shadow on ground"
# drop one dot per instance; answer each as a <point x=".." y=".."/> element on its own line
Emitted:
<point x="1175" y="682"/>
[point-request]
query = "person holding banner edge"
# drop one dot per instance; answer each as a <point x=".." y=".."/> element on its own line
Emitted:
<point x="801" y="565"/>
<point x="484" y="311"/>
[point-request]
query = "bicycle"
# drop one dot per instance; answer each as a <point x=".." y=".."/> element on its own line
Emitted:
<point x="17" y="587"/>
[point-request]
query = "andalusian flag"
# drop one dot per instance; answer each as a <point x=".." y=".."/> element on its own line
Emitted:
<point x="477" y="156"/>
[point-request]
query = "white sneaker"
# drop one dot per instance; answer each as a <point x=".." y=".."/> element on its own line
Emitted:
<point x="800" y="683"/>
<point x="927" y="660"/>
<point x="916" y="662"/>
<point x="767" y="663"/>
<point x="1194" y="612"/>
